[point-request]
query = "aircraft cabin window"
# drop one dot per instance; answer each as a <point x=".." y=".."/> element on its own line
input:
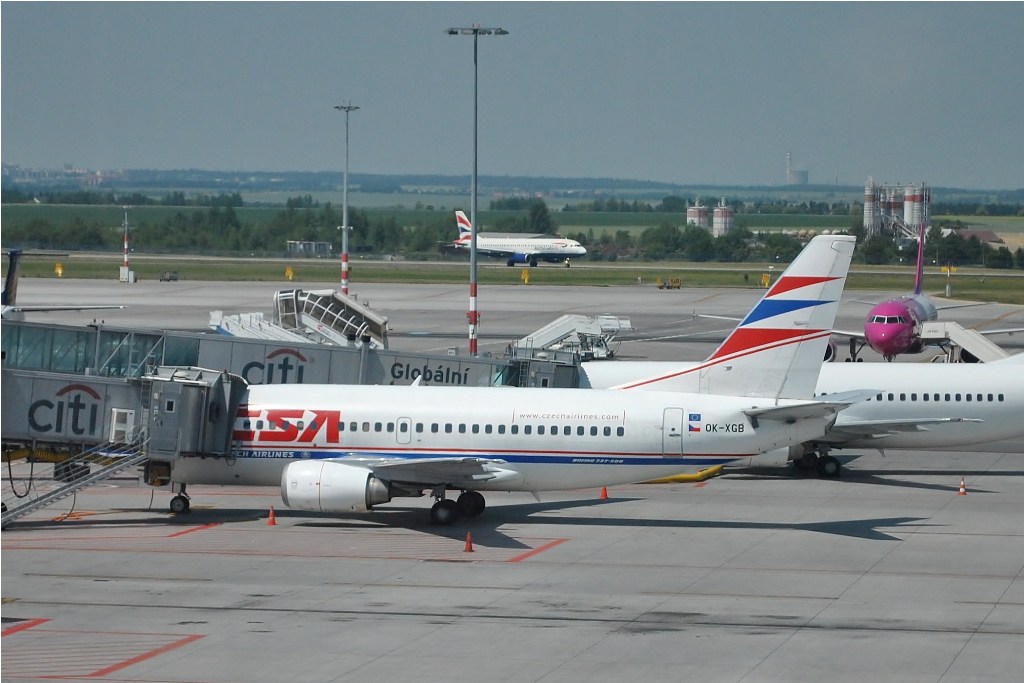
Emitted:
<point x="403" y="427"/>
<point x="990" y="397"/>
<point x="447" y="427"/>
<point x="947" y="397"/>
<point x="1000" y="396"/>
<point x="593" y="431"/>
<point x="979" y="397"/>
<point x="879" y="397"/>
<point x="968" y="397"/>
<point x="958" y="397"/>
<point x="924" y="397"/>
<point x="620" y="431"/>
<point x="476" y="429"/>
<point x="892" y="397"/>
<point x="462" y="428"/>
<point x="488" y="429"/>
<point x="567" y="430"/>
<point x="341" y="426"/>
<point x="580" y="431"/>
<point x="540" y="429"/>
<point x="434" y="427"/>
<point x="913" y="397"/>
<point x="903" y="397"/>
<point x="515" y="429"/>
<point x="607" y="431"/>
<point x="419" y="427"/>
<point x="501" y="429"/>
<point x="527" y="429"/>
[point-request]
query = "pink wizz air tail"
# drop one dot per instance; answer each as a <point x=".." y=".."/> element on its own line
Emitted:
<point x="769" y="353"/>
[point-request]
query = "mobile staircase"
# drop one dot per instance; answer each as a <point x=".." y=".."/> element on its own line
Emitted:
<point x="591" y="337"/>
<point x="328" y="316"/>
<point x="72" y="475"/>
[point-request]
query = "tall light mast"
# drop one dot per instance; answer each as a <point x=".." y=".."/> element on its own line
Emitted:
<point x="474" y="314"/>
<point x="345" y="227"/>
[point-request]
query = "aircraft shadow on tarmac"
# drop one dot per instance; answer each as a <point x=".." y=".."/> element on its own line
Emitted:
<point x="486" y="529"/>
<point x="876" y="477"/>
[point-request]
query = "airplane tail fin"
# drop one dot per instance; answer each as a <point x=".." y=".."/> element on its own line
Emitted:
<point x="465" y="227"/>
<point x="919" y="277"/>
<point x="777" y="350"/>
<point x="10" y="293"/>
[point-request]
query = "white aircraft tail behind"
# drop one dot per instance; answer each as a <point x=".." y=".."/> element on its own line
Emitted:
<point x="776" y="351"/>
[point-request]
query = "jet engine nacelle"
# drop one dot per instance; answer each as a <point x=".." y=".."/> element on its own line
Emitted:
<point x="321" y="486"/>
<point x="528" y="259"/>
<point x="776" y="458"/>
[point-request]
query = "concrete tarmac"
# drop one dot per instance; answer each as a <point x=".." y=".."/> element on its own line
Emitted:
<point x="885" y="574"/>
<point x="760" y="575"/>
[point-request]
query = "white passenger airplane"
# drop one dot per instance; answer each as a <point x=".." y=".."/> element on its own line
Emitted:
<point x="525" y="249"/>
<point x="335" y="449"/>
<point x="919" y="405"/>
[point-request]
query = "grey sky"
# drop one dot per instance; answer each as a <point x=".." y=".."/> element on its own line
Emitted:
<point x="678" y="92"/>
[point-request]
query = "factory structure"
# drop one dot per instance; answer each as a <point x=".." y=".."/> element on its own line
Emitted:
<point x="897" y="210"/>
<point x="722" y="217"/>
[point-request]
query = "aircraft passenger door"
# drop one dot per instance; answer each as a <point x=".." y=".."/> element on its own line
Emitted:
<point x="403" y="430"/>
<point x="672" y="432"/>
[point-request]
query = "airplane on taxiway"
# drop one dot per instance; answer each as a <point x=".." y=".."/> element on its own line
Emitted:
<point x="525" y="249"/>
<point x="337" y="451"/>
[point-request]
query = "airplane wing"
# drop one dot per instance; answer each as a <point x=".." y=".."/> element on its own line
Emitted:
<point x="861" y="429"/>
<point x="19" y="310"/>
<point x="429" y="472"/>
<point x="811" y="409"/>
<point x="1011" y="330"/>
<point x="849" y="333"/>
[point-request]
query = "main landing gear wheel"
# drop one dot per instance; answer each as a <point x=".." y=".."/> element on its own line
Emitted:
<point x="828" y="467"/>
<point x="471" y="503"/>
<point x="444" y="512"/>
<point x="179" y="505"/>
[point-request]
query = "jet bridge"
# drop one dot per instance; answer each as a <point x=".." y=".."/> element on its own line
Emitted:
<point x="974" y="347"/>
<point x="115" y="423"/>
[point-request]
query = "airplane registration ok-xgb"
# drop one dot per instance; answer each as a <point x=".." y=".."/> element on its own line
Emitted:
<point x="337" y="449"/>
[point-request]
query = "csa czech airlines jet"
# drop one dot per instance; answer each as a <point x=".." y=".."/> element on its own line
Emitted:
<point x="527" y="249"/>
<point x="339" y="449"/>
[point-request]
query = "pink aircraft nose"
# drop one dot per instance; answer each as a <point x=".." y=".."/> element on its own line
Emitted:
<point x="888" y="339"/>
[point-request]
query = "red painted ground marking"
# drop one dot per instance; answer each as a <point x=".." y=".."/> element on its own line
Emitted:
<point x="31" y="623"/>
<point x="537" y="551"/>
<point x="195" y="528"/>
<point x="145" y="655"/>
<point x="700" y="484"/>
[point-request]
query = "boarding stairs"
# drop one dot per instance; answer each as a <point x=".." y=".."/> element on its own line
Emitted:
<point x="72" y="475"/>
<point x="328" y="316"/>
<point x="971" y="341"/>
<point x="253" y="326"/>
<point x="589" y="336"/>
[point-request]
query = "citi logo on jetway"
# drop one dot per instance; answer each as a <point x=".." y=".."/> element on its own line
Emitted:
<point x="75" y="411"/>
<point x="283" y="366"/>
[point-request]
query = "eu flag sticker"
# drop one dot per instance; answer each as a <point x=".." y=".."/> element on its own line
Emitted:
<point x="694" y="417"/>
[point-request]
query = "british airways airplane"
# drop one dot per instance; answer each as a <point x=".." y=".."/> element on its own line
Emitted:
<point x="527" y="250"/>
<point x="336" y="449"/>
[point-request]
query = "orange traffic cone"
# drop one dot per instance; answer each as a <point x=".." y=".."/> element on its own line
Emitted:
<point x="963" y="489"/>
<point x="271" y="521"/>
<point x="604" y="493"/>
<point x="469" y="542"/>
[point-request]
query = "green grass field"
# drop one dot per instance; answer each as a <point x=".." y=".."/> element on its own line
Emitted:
<point x="968" y="283"/>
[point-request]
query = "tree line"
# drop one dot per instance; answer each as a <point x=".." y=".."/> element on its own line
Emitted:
<point x="215" y="228"/>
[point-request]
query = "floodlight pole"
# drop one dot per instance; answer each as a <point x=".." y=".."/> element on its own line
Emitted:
<point x="345" y="227"/>
<point x="474" y="314"/>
